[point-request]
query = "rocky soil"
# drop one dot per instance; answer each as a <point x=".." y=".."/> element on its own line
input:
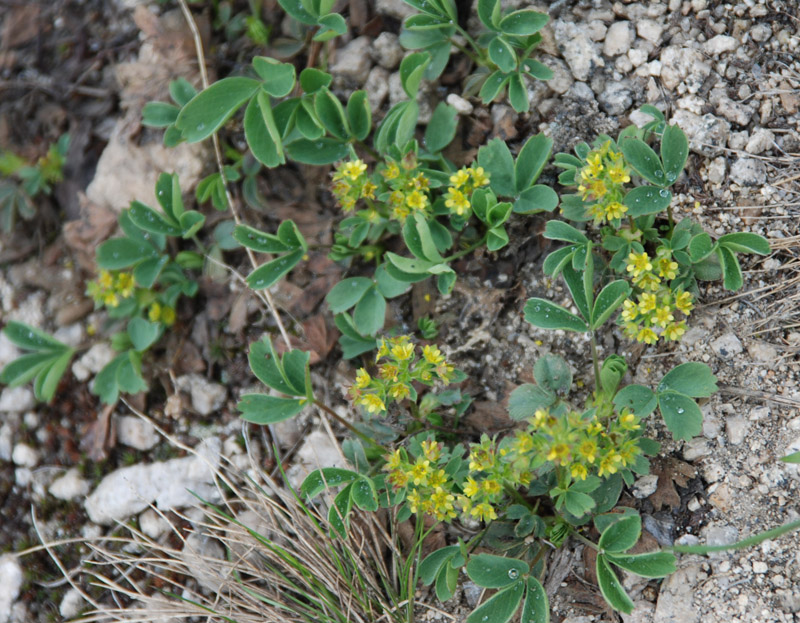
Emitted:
<point x="727" y="73"/>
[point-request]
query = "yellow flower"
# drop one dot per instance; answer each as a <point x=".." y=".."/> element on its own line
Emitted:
<point x="628" y="421"/>
<point x="523" y="442"/>
<point x="618" y="174"/>
<point x="419" y="472"/>
<point x="106" y="280"/>
<point x="667" y="268"/>
<point x="391" y="171"/>
<point x="639" y="263"/>
<point x="372" y="403"/>
<point x="110" y="299"/>
<point x="472" y="488"/>
<point x="598" y="188"/>
<point x="403" y="350"/>
<point x="663" y="316"/>
<point x="383" y="349"/>
<point x="362" y="378"/>
<point x="393" y="461"/>
<point x="417" y="200"/>
<point x="479" y="177"/>
<point x="609" y="464"/>
<point x="615" y="210"/>
<point x="397" y="198"/>
<point x="648" y="281"/>
<point x="125" y="284"/>
<point x="432" y="355"/>
<point x="539" y="417"/>
<point x="414" y="501"/>
<point x="459" y="178"/>
<point x="484" y="511"/>
<point x="399" y="479"/>
<point x="399" y="391"/>
<point x="647" y="302"/>
<point x="558" y="452"/>
<point x="629" y="311"/>
<point x="683" y="301"/>
<point x="168" y="316"/>
<point x="588" y="450"/>
<point x="353" y="169"/>
<point x="647" y="335"/>
<point x="431" y="449"/>
<point x="442" y="504"/>
<point x="154" y="314"/>
<point x="674" y="331"/>
<point x="420" y="181"/>
<point x="594" y="165"/>
<point x="388" y="372"/>
<point x="368" y="190"/>
<point x="578" y="471"/>
<point x="490" y="486"/>
<point x="437" y="478"/>
<point x="457" y="201"/>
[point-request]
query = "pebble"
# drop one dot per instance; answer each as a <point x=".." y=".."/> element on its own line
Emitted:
<point x="749" y="172"/>
<point x="25" y="456"/>
<point x="720" y="44"/>
<point x="577" y="49"/>
<point x="386" y="50"/>
<point x="395" y="8"/>
<point x="6" y="442"/>
<point x="759" y="566"/>
<point x="10" y="584"/>
<point x="462" y="106"/>
<point x="353" y="60"/>
<point x="716" y="170"/>
<point x="71" y="604"/>
<point x="69" y="486"/>
<point x="645" y="486"/>
<point x="734" y="111"/>
<point x="562" y="79"/>
<point x="619" y="38"/>
<point x="707" y="135"/>
<point x="377" y="87"/>
<point x="16" y="400"/>
<point x="760" y="33"/>
<point x="760" y="141"/>
<point x="696" y="448"/>
<point x="204" y="558"/>
<point x="676" y="598"/>
<point x="316" y="452"/>
<point x="726" y="346"/>
<point x="207" y="397"/>
<point x="472" y="593"/>
<point x="135" y="432"/>
<point x="736" y="429"/>
<point x="616" y="98"/>
<point x="687" y="66"/>
<point x="95" y="359"/>
<point x="649" y="30"/>
<point x="152" y="524"/>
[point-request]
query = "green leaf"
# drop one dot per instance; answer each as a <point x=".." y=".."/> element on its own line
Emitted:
<point x="552" y="373"/>
<point x="269" y="273"/>
<point x="120" y="253"/>
<point x="700" y="247"/>
<point x="267" y="367"/>
<point x="489" y="13"/>
<point x="312" y="79"/>
<point x="607" y="494"/>
<point x="46" y="382"/>
<point x="278" y="78"/>
<point x="794" y="457"/>
<point x="496" y="160"/>
<point x="502" y="54"/>
<point x="546" y="315"/>
<point x="537" y="70"/>
<point x="30" y="338"/>
<point x="526" y="399"/>
<point x="333" y="25"/>
<point x="388" y="285"/>
<point x="558" y="260"/>
<point x="359" y="115"/>
<point x="536" y="608"/>
<point x="331" y="113"/>
<point x="745" y="242"/>
<point x="674" y="152"/>
<point x="575" y="283"/>
<point x="603" y="521"/>
<point x="683" y="417"/>
<point x="323" y="150"/>
<point x="441" y="129"/>
<point x="621" y="535"/>
<point x="339" y="512"/>
<point x="364" y="494"/>
<point x="323" y="479"/>
<point x="370" y="312"/>
<point x="611" y="588"/>
<point x="611" y="373"/>
<point x="263" y="409"/>
<point x="429" y="567"/>
<point x="500" y="607"/>
<point x="446" y="583"/>
<point x="644" y="200"/>
<point x="143" y="333"/>
<point x="651" y="565"/>
<point x="26" y="367"/>
<point x="191" y="222"/>
<point x="643" y="160"/>
<point x="641" y="400"/>
<point x="577" y="503"/>
<point x="148" y="219"/>
<point x="559" y="230"/>
<point x="419" y="240"/>
<point x="609" y="299"/>
<point x="408" y="265"/>
<point x="691" y="379"/>
<point x="181" y="91"/>
<point x="731" y="271"/>
<point x="347" y="293"/>
<point x="257" y="240"/>
<point x="211" y="108"/>
<point x="538" y="198"/>
<point x="490" y="571"/>
<point x="517" y="93"/>
<point x="445" y="282"/>
<point x="496" y="238"/>
<point x="159" y="114"/>
<point x="262" y="133"/>
<point x="531" y="160"/>
<point x="492" y="86"/>
<point x="523" y="23"/>
<point x="412" y="68"/>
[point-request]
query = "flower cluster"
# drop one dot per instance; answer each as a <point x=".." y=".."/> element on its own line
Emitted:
<point x="161" y="313"/>
<point x="407" y="188"/>
<point x="652" y="314"/>
<point x="397" y="374"/>
<point x="602" y="183"/>
<point x="429" y="489"/>
<point x="462" y="183"/>
<point x="351" y="183"/>
<point x="111" y="287"/>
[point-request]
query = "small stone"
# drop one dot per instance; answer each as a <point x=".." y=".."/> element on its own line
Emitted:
<point x="696" y="448"/>
<point x="718" y="534"/>
<point x="387" y="51"/>
<point x="676" y="598"/>
<point x="70" y="486"/>
<point x="645" y="486"/>
<point x="761" y="140"/>
<point x="353" y="61"/>
<point x="759" y="566"/>
<point x="619" y="38"/>
<point x="462" y="106"/>
<point x="317" y="451"/>
<point x="720" y="44"/>
<point x="25" y="456"/>
<point x="637" y="56"/>
<point x="578" y="50"/>
<point x="759" y="413"/>
<point x="716" y="170"/>
<point x="472" y="593"/>
<point x="205" y="559"/>
<point x="377" y="87"/>
<point x="726" y="346"/>
<point x="16" y="400"/>
<point x="736" y="429"/>
<point x="707" y="135"/>
<point x="649" y="30"/>
<point x="135" y="432"/>
<point x="152" y="524"/>
<point x="694" y="505"/>
<point x="761" y="33"/>
<point x="207" y="397"/>
<point x="95" y="359"/>
<point x="734" y="111"/>
<point x="71" y="604"/>
<point x="721" y="498"/>
<point x="562" y="79"/>
<point x="10" y="584"/>
<point x="395" y="8"/>
<point x="616" y="98"/>
<point x="6" y="442"/>
<point x="683" y="65"/>
<point x="749" y="172"/>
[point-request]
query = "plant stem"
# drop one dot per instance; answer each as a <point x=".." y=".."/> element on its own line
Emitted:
<point x="348" y="425"/>
<point x="466" y="251"/>
<point x="583" y="539"/>
<point x="473" y="43"/>
<point x="671" y="221"/>
<point x="595" y="362"/>
<point x="475" y="59"/>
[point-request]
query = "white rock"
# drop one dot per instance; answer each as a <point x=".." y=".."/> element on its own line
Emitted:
<point x="734" y="111"/>
<point x="71" y="335"/>
<point x="696" y="448"/>
<point x="759" y="413"/>
<point x="6" y="442"/>
<point x="152" y="524"/>
<point x="69" y="486"/>
<point x="761" y="33"/>
<point x="8" y="352"/>
<point x="676" y="598"/>
<point x="645" y="486"/>
<point x="617" y="97"/>
<point x="71" y="604"/>
<point x="95" y="359"/>
<point x="207" y="397"/>
<point x="562" y="78"/>
<point x="205" y="559"/>
<point x="720" y="44"/>
<point x="736" y="429"/>
<point x="749" y="172"/>
<point x="683" y="65"/>
<point x="643" y="612"/>
<point x="387" y="51"/>
<point x="737" y="140"/>
<point x="10" y="584"/>
<point x="637" y="56"/>
<point x="395" y="8"/>
<point x="619" y="38"/>
<point x="25" y="456"/>
<point x="317" y="451"/>
<point x="353" y="60"/>
<point x="761" y="140"/>
<point x="727" y="346"/>
<point x="759" y="566"/>
<point x="649" y="30"/>
<point x="130" y="490"/>
<point x="16" y="400"/>
<point x="578" y="50"/>
<point x="377" y="87"/>
<point x="462" y="106"/>
<point x="135" y="432"/>
<point x="716" y="170"/>
<point x="707" y="135"/>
